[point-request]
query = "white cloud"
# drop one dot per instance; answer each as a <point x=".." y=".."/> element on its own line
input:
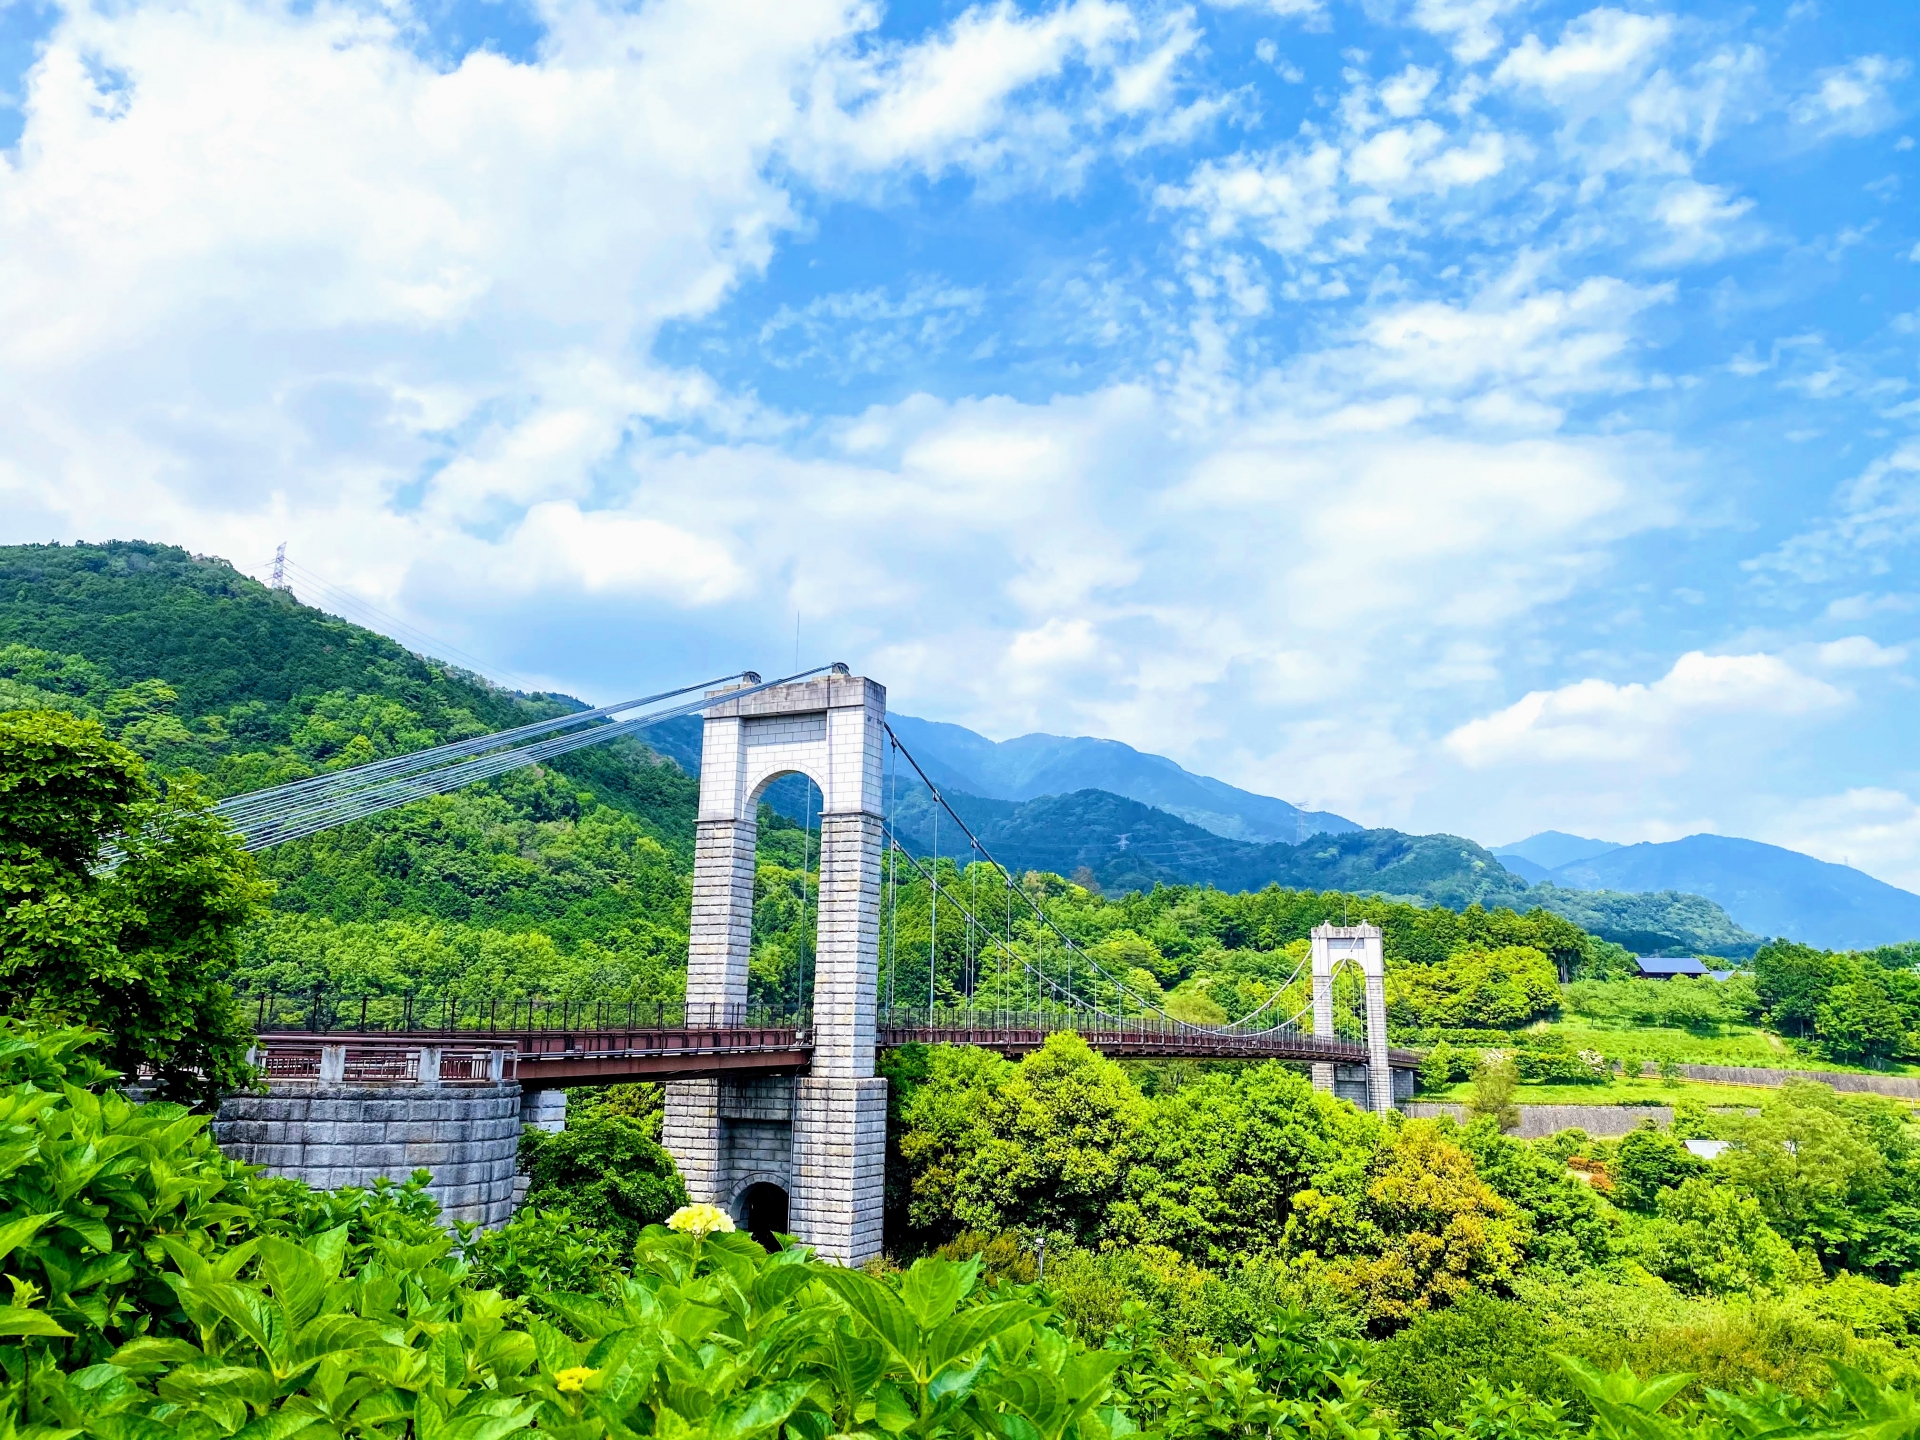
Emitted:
<point x="1853" y="99"/>
<point x="1877" y="513"/>
<point x="1858" y="652"/>
<point x="1468" y="25"/>
<point x="1405" y="94"/>
<point x="1597" y="46"/>
<point x="1311" y="11"/>
<point x="295" y="280"/>
<point x="1702" y="221"/>
<point x="1600" y="722"/>
<point x="1283" y="199"/>
<point x="950" y="101"/>
<point x="556" y="547"/>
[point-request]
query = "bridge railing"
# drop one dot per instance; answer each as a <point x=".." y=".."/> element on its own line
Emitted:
<point x="383" y="1061"/>
<point x="323" y="1012"/>
<point x="1148" y="1032"/>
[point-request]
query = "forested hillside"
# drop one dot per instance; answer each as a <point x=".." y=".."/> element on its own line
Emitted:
<point x="571" y="879"/>
<point x="1239" y="1255"/>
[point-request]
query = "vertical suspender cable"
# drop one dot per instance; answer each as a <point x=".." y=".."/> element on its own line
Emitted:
<point x="806" y="866"/>
<point x="973" y="978"/>
<point x="933" y="923"/>
<point x="893" y="869"/>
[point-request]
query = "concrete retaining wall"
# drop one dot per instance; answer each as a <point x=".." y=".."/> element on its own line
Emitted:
<point x="335" y="1135"/>
<point x="1905" y="1087"/>
<point x="1541" y="1120"/>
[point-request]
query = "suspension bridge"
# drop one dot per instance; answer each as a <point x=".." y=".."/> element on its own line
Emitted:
<point x="774" y="1113"/>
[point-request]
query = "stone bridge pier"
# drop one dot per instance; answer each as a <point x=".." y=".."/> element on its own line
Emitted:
<point x="817" y="1140"/>
<point x="347" y="1112"/>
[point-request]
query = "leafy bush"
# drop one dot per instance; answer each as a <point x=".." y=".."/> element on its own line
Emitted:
<point x="1409" y="1228"/>
<point x="1682" y="1003"/>
<point x="1428" y="1371"/>
<point x="608" y="1170"/>
<point x="1478" y="985"/>
<point x="151" y="1299"/>
<point x="1648" y="1161"/>
<point x="1708" y="1240"/>
<point x="140" y="953"/>
<point x="1561" y="1064"/>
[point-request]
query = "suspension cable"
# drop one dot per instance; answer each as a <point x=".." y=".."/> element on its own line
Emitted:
<point x="275" y="816"/>
<point x="1067" y="941"/>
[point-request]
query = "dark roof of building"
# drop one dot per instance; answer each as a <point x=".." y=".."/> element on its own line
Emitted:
<point x="1670" y="965"/>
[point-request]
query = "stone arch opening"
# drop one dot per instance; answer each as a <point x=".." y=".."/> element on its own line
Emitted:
<point x="825" y="1128"/>
<point x="789" y="984"/>
<point x="762" y="1212"/>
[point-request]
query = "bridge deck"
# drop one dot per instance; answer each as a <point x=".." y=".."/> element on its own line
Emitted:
<point x="545" y="1059"/>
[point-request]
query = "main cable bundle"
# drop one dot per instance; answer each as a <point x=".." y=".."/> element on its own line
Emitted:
<point x="265" y="818"/>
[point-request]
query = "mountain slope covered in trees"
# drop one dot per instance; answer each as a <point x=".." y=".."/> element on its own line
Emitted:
<point x="577" y="869"/>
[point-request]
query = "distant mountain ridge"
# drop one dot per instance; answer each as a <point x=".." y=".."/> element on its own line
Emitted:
<point x="1551" y="849"/>
<point x="1030" y="766"/>
<point x="1122" y="844"/>
<point x="1766" y="888"/>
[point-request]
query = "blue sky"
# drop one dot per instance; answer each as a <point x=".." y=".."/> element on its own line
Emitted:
<point x="1461" y="414"/>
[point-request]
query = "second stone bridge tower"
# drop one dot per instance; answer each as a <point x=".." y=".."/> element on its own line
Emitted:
<point x="813" y="1146"/>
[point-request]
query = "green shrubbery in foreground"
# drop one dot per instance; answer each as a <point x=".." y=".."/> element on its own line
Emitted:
<point x="159" y="1290"/>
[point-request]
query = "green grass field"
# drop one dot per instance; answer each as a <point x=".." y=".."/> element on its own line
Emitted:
<point x="1645" y="1092"/>
<point x="1730" y="1045"/>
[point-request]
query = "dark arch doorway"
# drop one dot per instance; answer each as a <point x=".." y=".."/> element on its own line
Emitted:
<point x="764" y="1209"/>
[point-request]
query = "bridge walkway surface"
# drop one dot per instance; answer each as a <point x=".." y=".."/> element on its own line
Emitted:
<point x="558" y="1056"/>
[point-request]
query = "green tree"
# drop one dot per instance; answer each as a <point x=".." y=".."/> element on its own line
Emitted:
<point x="1708" y="1239"/>
<point x="1477" y="986"/>
<point x="1410" y="1229"/>
<point x="1219" y="1162"/>
<point x="1044" y="1144"/>
<point x="140" y="952"/>
<point x="1858" y="1020"/>
<point x="945" y="1096"/>
<point x="1648" y="1161"/>
<point x="607" y="1168"/>
<point x="1494" y="1083"/>
<point x="1792" y="980"/>
<point x="1567" y="1227"/>
<point x="1814" y="1163"/>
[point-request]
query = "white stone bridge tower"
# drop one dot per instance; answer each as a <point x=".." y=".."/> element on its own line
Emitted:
<point x="812" y="1146"/>
<point x="1363" y="946"/>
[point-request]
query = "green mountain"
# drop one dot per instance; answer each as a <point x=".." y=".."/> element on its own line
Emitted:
<point x="571" y="876"/>
<point x="1123" y="845"/>
<point x="575" y="873"/>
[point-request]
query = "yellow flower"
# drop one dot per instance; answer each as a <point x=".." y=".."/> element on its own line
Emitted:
<point x="573" y="1379"/>
<point x="700" y="1221"/>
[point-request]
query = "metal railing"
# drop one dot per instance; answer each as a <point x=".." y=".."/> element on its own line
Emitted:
<point x="1147" y="1033"/>
<point x="323" y="1012"/>
<point x="383" y="1061"/>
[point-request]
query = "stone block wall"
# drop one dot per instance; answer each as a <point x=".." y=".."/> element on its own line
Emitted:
<point x="1539" y="1121"/>
<point x="335" y="1135"/>
<point x="839" y="1166"/>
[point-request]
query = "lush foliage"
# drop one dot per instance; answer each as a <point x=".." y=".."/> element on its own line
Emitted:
<point x="1682" y="1003"/>
<point x="606" y="1168"/>
<point x="159" y="1290"/>
<point x="139" y="950"/>
<point x="1856" y="1007"/>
